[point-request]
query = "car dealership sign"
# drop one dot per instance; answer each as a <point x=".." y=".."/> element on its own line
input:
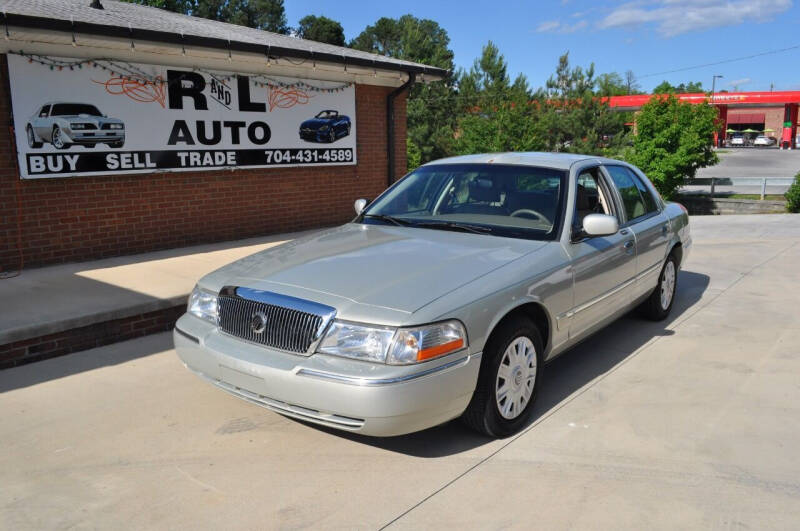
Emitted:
<point x="103" y="117"/>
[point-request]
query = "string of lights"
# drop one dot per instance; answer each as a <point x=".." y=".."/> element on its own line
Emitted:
<point x="127" y="71"/>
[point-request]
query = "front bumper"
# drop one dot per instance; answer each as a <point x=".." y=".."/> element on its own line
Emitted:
<point x="351" y="395"/>
<point x="96" y="136"/>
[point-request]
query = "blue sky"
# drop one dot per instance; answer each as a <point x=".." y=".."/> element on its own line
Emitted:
<point x="646" y="36"/>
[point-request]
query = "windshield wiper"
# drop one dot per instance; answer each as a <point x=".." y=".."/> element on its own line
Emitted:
<point x="450" y="225"/>
<point x="390" y="219"/>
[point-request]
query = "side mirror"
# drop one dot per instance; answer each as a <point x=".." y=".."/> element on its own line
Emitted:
<point x="360" y="205"/>
<point x="600" y="225"/>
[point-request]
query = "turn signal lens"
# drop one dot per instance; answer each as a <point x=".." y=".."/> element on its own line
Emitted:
<point x="413" y="345"/>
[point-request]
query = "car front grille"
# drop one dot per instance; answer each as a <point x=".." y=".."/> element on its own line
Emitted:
<point x="271" y="319"/>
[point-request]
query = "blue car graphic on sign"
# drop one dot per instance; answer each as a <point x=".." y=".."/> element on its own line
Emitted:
<point x="326" y="126"/>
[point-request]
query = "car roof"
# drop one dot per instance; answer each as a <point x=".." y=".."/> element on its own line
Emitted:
<point x="560" y="161"/>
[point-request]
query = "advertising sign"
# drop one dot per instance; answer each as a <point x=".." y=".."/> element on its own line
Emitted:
<point x="78" y="117"/>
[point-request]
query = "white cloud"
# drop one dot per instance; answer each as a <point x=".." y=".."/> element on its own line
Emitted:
<point x="674" y="17"/>
<point x="554" y="26"/>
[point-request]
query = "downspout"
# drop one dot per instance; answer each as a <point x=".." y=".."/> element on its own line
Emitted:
<point x="390" y="123"/>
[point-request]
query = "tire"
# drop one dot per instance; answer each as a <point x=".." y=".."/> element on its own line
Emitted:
<point x="116" y="144"/>
<point x="89" y="146"/>
<point x="332" y="136"/>
<point x="497" y="418"/>
<point x="57" y="140"/>
<point x="659" y="303"/>
<point x="32" y="142"/>
<point x="347" y="131"/>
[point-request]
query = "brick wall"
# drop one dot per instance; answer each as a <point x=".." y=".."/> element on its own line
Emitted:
<point x="82" y="218"/>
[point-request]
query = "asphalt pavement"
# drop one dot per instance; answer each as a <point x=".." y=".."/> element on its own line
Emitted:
<point x="690" y="423"/>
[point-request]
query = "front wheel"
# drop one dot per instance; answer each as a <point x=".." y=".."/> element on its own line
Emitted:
<point x="511" y="370"/>
<point x="58" y="139"/>
<point x="332" y="136"/>
<point x="659" y="304"/>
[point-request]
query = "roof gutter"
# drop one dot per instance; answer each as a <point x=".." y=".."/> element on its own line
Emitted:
<point x="390" y="124"/>
<point x="27" y="21"/>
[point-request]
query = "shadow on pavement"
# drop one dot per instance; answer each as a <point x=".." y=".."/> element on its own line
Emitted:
<point x="63" y="366"/>
<point x="563" y="376"/>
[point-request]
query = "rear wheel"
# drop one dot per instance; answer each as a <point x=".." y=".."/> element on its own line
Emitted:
<point x="511" y="370"/>
<point x="659" y="304"/>
<point x="32" y="142"/>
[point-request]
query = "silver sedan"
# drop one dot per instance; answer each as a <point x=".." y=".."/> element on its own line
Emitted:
<point x="443" y="298"/>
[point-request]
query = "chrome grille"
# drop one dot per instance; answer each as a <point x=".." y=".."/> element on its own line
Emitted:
<point x="273" y="320"/>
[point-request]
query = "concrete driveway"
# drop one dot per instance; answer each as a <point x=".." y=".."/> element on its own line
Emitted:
<point x="691" y="423"/>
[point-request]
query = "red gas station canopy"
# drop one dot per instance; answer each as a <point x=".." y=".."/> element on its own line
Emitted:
<point x="720" y="98"/>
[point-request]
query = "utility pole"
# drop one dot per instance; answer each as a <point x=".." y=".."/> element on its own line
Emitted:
<point x="713" y="89"/>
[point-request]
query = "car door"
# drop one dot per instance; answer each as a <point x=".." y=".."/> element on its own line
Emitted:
<point x="649" y="224"/>
<point x="604" y="267"/>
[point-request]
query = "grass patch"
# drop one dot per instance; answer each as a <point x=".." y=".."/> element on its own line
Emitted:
<point x="768" y="197"/>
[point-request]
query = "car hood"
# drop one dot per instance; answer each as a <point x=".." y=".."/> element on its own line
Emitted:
<point x="372" y="266"/>
<point x="97" y="120"/>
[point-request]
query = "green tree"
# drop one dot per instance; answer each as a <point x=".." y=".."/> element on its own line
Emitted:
<point x="321" y="29"/>
<point x="431" y="106"/>
<point x="792" y="196"/>
<point x="665" y="87"/>
<point x="673" y="140"/>
<point x="494" y="113"/>
<point x="266" y="15"/>
<point x="576" y="120"/>
<point x="611" y="84"/>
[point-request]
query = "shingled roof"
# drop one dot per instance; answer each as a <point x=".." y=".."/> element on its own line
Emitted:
<point x="122" y="19"/>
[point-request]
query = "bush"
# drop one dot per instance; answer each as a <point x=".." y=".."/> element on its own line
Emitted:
<point x="793" y="196"/>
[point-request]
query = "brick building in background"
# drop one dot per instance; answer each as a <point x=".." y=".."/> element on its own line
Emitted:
<point x="61" y="218"/>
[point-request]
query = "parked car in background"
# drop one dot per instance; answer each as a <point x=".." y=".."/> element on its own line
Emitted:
<point x="65" y="124"/>
<point x="737" y="140"/>
<point x="764" y="140"/>
<point x="326" y="126"/>
<point x="443" y="298"/>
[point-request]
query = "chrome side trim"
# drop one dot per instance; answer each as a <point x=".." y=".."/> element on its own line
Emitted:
<point x="600" y="298"/>
<point x="586" y="305"/>
<point x="649" y="271"/>
<point x="373" y="382"/>
<point x="187" y="336"/>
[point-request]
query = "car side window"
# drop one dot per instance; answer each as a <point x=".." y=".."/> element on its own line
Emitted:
<point x="650" y="203"/>
<point x="632" y="199"/>
<point x="43" y="112"/>
<point x="590" y="198"/>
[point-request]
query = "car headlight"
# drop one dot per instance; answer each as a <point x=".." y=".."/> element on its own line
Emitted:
<point x="115" y="126"/>
<point x="203" y="304"/>
<point x="414" y="345"/>
<point x="362" y="342"/>
<point x="79" y="126"/>
<point x="324" y="128"/>
<point x="393" y="346"/>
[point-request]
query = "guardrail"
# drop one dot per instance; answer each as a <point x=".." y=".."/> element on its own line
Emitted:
<point x="713" y="182"/>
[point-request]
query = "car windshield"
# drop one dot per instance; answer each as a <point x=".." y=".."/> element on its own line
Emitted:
<point x="74" y="109"/>
<point x="327" y="114"/>
<point x="501" y="200"/>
